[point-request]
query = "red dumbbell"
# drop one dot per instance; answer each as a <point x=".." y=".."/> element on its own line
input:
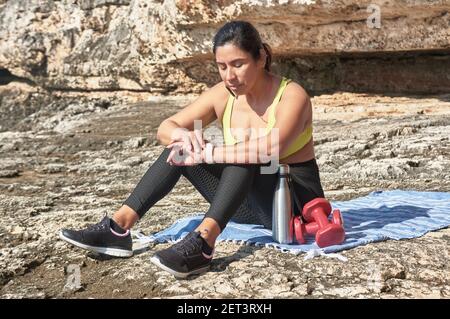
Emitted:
<point x="299" y="230"/>
<point x="302" y="229"/>
<point x="337" y="218"/>
<point x="316" y="214"/>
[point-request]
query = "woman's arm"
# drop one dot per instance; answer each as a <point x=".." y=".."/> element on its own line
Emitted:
<point x="165" y="130"/>
<point x="202" y="110"/>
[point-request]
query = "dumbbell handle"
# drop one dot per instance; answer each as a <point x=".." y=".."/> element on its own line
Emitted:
<point x="311" y="228"/>
<point x="320" y="217"/>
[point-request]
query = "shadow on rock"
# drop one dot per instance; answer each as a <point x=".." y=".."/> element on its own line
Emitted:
<point x="222" y="263"/>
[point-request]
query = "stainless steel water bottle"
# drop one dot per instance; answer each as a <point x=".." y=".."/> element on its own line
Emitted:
<point x="282" y="214"/>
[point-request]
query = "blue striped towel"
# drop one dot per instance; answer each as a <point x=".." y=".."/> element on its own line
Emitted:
<point x="379" y="216"/>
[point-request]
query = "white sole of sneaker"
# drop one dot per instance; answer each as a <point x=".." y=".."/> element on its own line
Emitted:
<point x="101" y="250"/>
<point x="177" y="274"/>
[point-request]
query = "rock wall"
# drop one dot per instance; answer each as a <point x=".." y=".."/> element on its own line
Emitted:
<point x="165" y="46"/>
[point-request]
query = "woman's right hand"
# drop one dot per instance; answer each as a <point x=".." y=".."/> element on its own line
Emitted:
<point x="192" y="140"/>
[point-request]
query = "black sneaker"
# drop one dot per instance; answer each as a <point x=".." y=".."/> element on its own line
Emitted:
<point x="185" y="257"/>
<point x="100" y="238"/>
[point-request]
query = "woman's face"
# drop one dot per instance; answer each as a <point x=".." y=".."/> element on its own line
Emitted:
<point x="237" y="68"/>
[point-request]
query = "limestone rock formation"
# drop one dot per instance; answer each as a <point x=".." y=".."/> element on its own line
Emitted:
<point x="165" y="46"/>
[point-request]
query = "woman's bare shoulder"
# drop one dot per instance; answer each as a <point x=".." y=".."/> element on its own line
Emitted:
<point x="218" y="95"/>
<point x="217" y="90"/>
<point x="295" y="90"/>
<point x="296" y="97"/>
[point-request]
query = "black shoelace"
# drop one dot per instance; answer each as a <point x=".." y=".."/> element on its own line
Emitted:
<point x="99" y="226"/>
<point x="188" y="245"/>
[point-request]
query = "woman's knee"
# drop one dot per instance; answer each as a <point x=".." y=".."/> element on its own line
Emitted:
<point x="164" y="154"/>
<point x="243" y="171"/>
<point x="161" y="161"/>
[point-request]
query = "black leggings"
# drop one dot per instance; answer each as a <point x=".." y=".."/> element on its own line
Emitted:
<point x="237" y="192"/>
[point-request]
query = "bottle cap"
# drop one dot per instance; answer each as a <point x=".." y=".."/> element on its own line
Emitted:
<point x="283" y="169"/>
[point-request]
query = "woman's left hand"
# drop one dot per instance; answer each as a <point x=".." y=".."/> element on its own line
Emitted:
<point x="180" y="156"/>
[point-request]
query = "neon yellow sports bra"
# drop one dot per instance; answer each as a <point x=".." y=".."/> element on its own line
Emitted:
<point x="301" y="140"/>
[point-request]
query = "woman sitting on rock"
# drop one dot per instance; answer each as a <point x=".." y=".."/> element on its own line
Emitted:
<point x="231" y="177"/>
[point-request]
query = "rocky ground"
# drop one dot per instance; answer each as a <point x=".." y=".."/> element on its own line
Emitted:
<point x="70" y="160"/>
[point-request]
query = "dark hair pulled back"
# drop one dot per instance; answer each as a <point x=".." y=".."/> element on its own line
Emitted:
<point x="245" y="36"/>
